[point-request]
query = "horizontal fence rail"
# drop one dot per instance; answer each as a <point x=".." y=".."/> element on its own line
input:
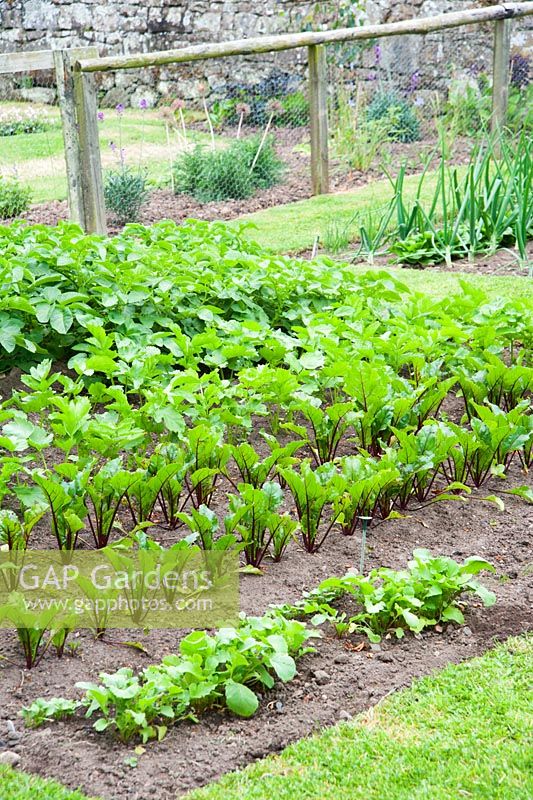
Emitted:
<point x="33" y="60"/>
<point x="291" y="41"/>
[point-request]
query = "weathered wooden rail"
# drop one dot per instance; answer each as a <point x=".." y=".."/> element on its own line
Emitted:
<point x="77" y="90"/>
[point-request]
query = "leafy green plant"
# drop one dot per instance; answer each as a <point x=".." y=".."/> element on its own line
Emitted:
<point x="15" y="531"/>
<point x="106" y="491"/>
<point x="253" y="515"/>
<point x="398" y="114"/>
<point x="328" y="427"/>
<point x="495" y="438"/>
<point x="256" y="471"/>
<point x="125" y="193"/>
<point x="429" y="591"/>
<point x="231" y="173"/>
<point x="31" y="626"/>
<point x="358" y="138"/>
<point x="162" y="481"/>
<point x="65" y="492"/>
<point x="312" y="491"/>
<point x="43" y="710"/>
<point x="486" y="378"/>
<point x="204" y="526"/>
<point x="218" y="669"/>
<point x="365" y="481"/>
<point x="207" y="458"/>
<point x="14" y="198"/>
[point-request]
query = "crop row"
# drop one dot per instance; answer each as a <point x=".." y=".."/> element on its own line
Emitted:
<point x="224" y="668"/>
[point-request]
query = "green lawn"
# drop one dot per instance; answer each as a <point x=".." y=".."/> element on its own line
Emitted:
<point x="463" y="733"/>
<point x="293" y="228"/>
<point x="38" y="159"/>
<point x="440" y="284"/>
<point x="19" y="786"/>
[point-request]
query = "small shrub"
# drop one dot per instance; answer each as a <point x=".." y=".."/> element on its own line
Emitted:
<point x="211" y="175"/>
<point x="402" y="122"/>
<point x="467" y="110"/>
<point x="14" y="198"/>
<point x="125" y="193"/>
<point x="268" y="168"/>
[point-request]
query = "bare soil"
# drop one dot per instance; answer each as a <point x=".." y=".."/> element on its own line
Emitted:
<point x="358" y="674"/>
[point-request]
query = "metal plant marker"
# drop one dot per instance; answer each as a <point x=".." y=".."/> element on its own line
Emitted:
<point x="366" y="522"/>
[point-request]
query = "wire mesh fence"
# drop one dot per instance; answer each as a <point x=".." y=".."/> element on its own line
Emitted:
<point x="31" y="141"/>
<point x="230" y="135"/>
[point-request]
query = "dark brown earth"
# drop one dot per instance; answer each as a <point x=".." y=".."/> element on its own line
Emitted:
<point x="504" y="262"/>
<point x="192" y="755"/>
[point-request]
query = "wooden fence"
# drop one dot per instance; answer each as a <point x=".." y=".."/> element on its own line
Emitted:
<point x="78" y="101"/>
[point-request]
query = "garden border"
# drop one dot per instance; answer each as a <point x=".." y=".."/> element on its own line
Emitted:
<point x="78" y="99"/>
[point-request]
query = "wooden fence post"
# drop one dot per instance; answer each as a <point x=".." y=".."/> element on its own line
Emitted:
<point x="92" y="185"/>
<point x="500" y="73"/>
<point x="65" y="95"/>
<point x="318" y="115"/>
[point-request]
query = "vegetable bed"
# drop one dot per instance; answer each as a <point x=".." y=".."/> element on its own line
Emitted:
<point x="183" y="385"/>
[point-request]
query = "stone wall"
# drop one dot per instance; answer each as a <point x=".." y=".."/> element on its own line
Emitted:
<point x="128" y="26"/>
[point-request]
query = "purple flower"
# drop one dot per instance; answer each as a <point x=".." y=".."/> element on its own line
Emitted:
<point x="415" y="80"/>
<point x="100" y="116"/>
<point x="377" y="53"/>
<point x="119" y="109"/>
<point x="143" y="104"/>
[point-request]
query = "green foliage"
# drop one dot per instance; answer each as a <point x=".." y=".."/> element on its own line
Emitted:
<point x="217" y="669"/>
<point x="358" y="138"/>
<point x="469" y="106"/>
<point x="312" y="491"/>
<point x="295" y="113"/>
<point x="491" y="206"/>
<point x="422" y="596"/>
<point x="15" y="121"/>
<point x="230" y="173"/>
<point x="36" y="629"/>
<point x="429" y="591"/>
<point x="327" y="427"/>
<point x="125" y="193"/>
<point x="14" y="198"/>
<point x="253" y="515"/>
<point x="399" y="116"/>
